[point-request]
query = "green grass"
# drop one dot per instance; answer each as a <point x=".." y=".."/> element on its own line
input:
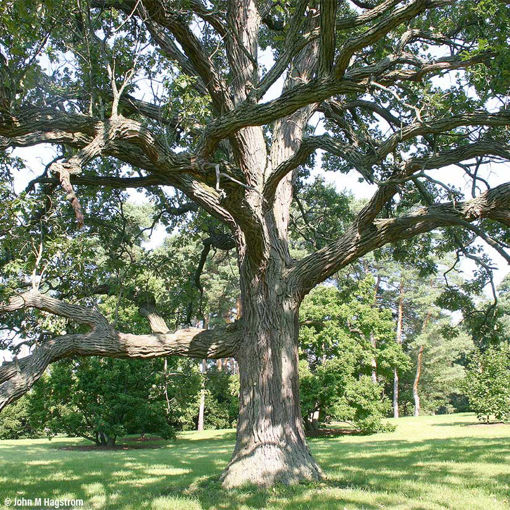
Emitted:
<point x="427" y="463"/>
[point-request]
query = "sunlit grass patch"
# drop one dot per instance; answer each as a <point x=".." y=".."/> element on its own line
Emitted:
<point x="165" y="503"/>
<point x="431" y="462"/>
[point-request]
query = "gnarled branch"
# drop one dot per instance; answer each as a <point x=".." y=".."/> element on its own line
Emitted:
<point x="17" y="377"/>
<point x="494" y="204"/>
<point x="380" y="29"/>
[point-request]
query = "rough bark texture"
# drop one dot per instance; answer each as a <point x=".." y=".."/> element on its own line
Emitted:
<point x="17" y="377"/>
<point x="271" y="445"/>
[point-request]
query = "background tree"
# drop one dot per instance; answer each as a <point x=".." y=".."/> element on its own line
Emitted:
<point x="445" y="351"/>
<point x="15" y="422"/>
<point x="71" y="75"/>
<point x="341" y="334"/>
<point x="399" y="340"/>
<point x="488" y="383"/>
<point x="436" y="342"/>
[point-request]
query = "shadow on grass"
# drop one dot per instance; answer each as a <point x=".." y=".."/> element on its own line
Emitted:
<point x="190" y="468"/>
<point x="474" y="423"/>
<point x="457" y="423"/>
<point x="389" y="468"/>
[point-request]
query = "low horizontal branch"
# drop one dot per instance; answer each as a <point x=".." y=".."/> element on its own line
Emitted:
<point x="17" y="377"/>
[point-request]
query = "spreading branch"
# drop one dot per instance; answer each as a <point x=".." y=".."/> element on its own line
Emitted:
<point x="17" y="377"/>
<point x="494" y="204"/>
<point x="392" y="20"/>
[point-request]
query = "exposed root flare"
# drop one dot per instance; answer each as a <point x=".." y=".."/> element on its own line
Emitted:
<point x="268" y="464"/>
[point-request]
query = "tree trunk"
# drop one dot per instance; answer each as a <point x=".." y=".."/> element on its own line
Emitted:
<point x="419" y="363"/>
<point x="416" y="395"/>
<point x="103" y="439"/>
<point x="201" y="409"/>
<point x="400" y="328"/>
<point x="395" y="393"/>
<point x="373" y="341"/>
<point x="271" y="445"/>
<point x="165" y="386"/>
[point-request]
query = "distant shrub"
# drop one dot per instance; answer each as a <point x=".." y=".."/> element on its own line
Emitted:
<point x="334" y="394"/>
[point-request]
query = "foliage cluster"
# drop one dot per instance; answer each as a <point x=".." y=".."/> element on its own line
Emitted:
<point x="487" y="383"/>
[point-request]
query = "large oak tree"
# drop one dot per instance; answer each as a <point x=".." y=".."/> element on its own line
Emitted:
<point x="72" y="74"/>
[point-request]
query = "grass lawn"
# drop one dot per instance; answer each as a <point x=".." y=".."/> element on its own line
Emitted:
<point x="428" y="462"/>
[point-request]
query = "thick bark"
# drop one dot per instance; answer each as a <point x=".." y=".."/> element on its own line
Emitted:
<point x="17" y="377"/>
<point x="271" y="445"/>
<point x="365" y="236"/>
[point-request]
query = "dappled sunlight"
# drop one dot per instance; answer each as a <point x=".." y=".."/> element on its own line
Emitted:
<point x="40" y="462"/>
<point x="140" y="482"/>
<point x="93" y="489"/>
<point x="166" y="470"/>
<point x="98" y="501"/>
<point x="462" y="467"/>
<point x="165" y="502"/>
<point x="60" y="476"/>
<point x="121" y="473"/>
<point x="426" y="469"/>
